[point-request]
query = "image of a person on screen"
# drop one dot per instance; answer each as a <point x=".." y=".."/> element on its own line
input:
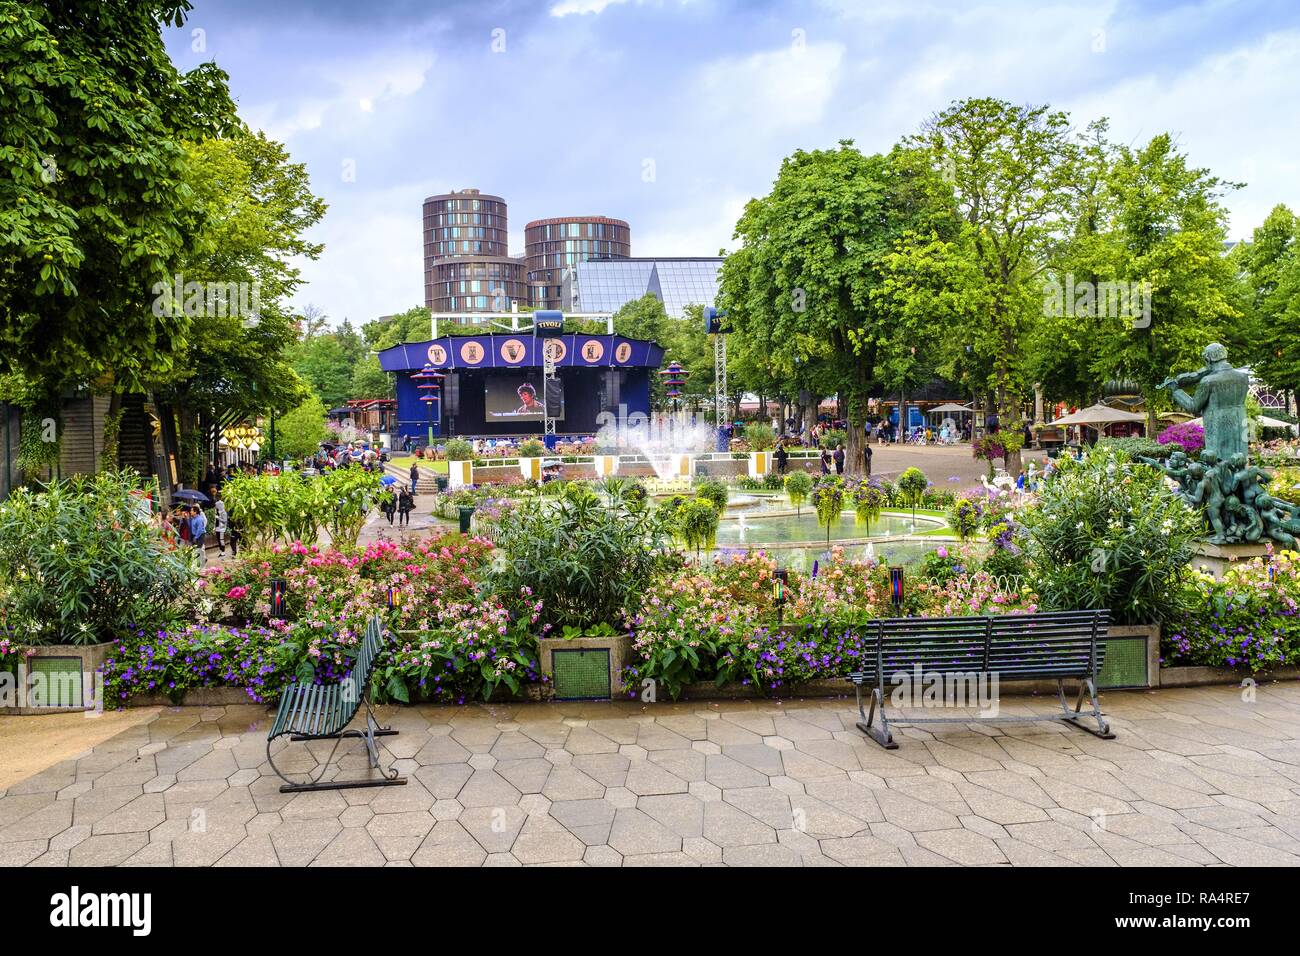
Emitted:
<point x="528" y="396"/>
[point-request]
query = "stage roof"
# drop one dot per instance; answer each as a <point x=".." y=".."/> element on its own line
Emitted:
<point x="506" y="350"/>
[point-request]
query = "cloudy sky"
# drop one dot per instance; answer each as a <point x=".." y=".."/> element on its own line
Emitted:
<point x="671" y="114"/>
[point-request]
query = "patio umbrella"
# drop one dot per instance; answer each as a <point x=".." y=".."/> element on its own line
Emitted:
<point x="1098" y="415"/>
<point x="187" y="494"/>
<point x="950" y="407"/>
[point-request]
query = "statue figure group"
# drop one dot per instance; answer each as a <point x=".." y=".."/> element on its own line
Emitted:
<point x="1232" y="492"/>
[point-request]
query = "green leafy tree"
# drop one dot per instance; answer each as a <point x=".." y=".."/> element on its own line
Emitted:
<point x="1270" y="266"/>
<point x="1011" y="168"/>
<point x="95" y="204"/>
<point x="300" y="432"/>
<point x="1167" y="234"/>
<point x="807" y="280"/>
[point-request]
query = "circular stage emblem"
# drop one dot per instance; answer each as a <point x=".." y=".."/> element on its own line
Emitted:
<point x="437" y="356"/>
<point x="623" y="353"/>
<point x="592" y="350"/>
<point x="513" y="351"/>
<point x="471" y="353"/>
<point x="556" y="350"/>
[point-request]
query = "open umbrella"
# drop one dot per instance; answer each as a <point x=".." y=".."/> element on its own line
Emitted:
<point x="1096" y="415"/>
<point x="950" y="407"/>
<point x="388" y="480"/>
<point x="187" y="494"/>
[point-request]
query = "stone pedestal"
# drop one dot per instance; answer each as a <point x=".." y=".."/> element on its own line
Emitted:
<point x="1216" y="558"/>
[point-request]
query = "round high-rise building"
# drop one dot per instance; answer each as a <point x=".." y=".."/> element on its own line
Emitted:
<point x="553" y="246"/>
<point x="467" y="266"/>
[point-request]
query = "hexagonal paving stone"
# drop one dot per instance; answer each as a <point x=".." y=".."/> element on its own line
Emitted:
<point x="620" y="797"/>
<point x="602" y="855"/>
<point x="706" y="747"/>
<point x="356" y="816"/>
<point x="633" y="752"/>
<point x="535" y="804"/>
<point x="635" y="832"/>
<point x="495" y="828"/>
<point x="778" y="743"/>
<point x="446" y="809"/>
<point x="543" y="840"/>
<point x="704" y="790"/>
<point x="482" y="761"/>
<point x="449" y="844"/>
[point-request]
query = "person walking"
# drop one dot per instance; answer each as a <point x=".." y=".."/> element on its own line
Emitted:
<point x="220" y="523"/>
<point x="782" y="458"/>
<point x="198" y="529"/>
<point x="405" y="505"/>
<point x="415" y="478"/>
<point x="389" y="506"/>
<point x="839" y="459"/>
<point x="826" y="461"/>
<point x="866" y="458"/>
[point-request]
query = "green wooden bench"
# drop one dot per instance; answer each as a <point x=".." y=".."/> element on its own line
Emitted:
<point x="311" y="711"/>
<point x="1057" y="646"/>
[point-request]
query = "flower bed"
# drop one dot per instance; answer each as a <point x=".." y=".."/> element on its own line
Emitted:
<point x="1247" y="621"/>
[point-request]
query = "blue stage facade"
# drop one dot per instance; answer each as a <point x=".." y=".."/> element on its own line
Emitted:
<point x="493" y="383"/>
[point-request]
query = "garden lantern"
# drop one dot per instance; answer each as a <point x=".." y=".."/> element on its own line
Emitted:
<point x="896" y="586"/>
<point x="278" y="589"/>
<point x="778" y="591"/>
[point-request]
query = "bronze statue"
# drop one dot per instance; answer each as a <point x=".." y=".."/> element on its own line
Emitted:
<point x="1231" y="491"/>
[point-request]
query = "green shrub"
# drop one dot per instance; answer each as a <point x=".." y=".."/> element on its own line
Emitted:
<point x="458" y="449"/>
<point x="1110" y="534"/>
<point x="759" y="436"/>
<point x="585" y="562"/>
<point x="1136" y="448"/>
<point x="531" y="448"/>
<point x="833" y="437"/>
<point x="84" y="562"/>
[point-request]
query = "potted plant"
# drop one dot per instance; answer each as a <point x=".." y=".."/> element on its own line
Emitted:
<point x="88" y="564"/>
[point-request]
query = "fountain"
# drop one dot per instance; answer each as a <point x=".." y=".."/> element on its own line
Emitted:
<point x="669" y="443"/>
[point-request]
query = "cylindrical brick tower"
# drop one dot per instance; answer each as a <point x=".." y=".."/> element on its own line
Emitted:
<point x="552" y="246"/>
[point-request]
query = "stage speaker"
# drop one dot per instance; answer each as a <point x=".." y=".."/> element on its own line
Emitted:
<point x="555" y="398"/>
<point x="613" y="385"/>
<point x="451" y="394"/>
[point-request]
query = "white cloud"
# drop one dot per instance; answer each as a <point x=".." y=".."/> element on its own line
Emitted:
<point x="567" y="8"/>
<point x="770" y="91"/>
<point x="1228" y="113"/>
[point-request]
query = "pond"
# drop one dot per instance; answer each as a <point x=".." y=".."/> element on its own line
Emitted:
<point x="786" y="530"/>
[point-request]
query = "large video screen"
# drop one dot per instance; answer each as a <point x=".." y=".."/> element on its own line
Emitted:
<point x="517" y="398"/>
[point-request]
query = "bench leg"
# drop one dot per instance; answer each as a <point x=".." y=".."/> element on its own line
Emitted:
<point x="390" y="778"/>
<point x="1075" y="717"/>
<point x="882" y="734"/>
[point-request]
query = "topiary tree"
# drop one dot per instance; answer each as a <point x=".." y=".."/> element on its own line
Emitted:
<point x="714" y="490"/>
<point x="695" y="524"/>
<point x="964" y="517"/>
<point x="911" y="488"/>
<point x="828" y="499"/>
<point x="798" y="486"/>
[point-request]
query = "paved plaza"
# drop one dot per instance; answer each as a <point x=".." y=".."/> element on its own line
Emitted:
<point x="1195" y="777"/>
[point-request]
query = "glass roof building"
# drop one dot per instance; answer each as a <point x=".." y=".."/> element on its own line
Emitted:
<point x="605" y="285"/>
